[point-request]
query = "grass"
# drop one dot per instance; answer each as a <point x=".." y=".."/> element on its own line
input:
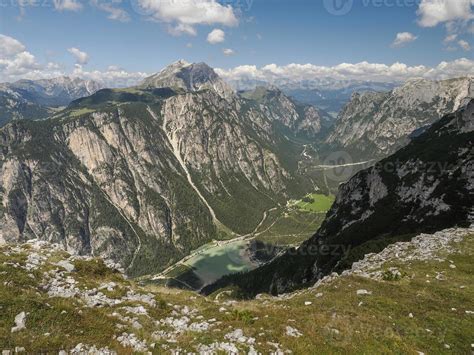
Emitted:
<point x="290" y="227"/>
<point x="79" y="112"/>
<point x="338" y="322"/>
<point x="317" y="203"/>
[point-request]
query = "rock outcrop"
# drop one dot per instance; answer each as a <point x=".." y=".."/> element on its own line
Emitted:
<point x="376" y="124"/>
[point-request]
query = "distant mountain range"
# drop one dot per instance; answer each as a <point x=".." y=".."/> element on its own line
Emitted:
<point x="35" y="99"/>
<point x="326" y="94"/>
<point x="333" y="98"/>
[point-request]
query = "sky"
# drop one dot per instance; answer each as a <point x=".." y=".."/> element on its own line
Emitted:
<point x="122" y="41"/>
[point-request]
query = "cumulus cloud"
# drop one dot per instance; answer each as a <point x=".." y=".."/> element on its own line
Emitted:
<point x="216" y="36"/>
<point x="114" y="76"/>
<point x="10" y="46"/>
<point x="464" y="45"/>
<point x="183" y="15"/>
<point x="228" y="52"/>
<point x="17" y="63"/>
<point x="434" y="12"/>
<point x="363" y="71"/>
<point x="67" y="5"/>
<point x="402" y="39"/>
<point x="80" y="56"/>
<point x="15" y="60"/>
<point x="111" y="7"/>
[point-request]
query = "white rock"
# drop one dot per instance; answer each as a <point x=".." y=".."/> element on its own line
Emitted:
<point x="66" y="265"/>
<point x="20" y="320"/>
<point x="293" y="332"/>
<point x="308" y="303"/>
<point x="363" y="292"/>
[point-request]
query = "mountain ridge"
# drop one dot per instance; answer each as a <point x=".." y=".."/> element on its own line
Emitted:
<point x="38" y="99"/>
<point x="423" y="187"/>
<point x="375" y="124"/>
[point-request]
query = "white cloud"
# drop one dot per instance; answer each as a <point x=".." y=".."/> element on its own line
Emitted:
<point x="434" y="12"/>
<point x="67" y="5"/>
<point x="402" y="39"/>
<point x="464" y="45"/>
<point x="115" y="13"/>
<point x="17" y="63"/>
<point x="183" y="15"/>
<point x="181" y="29"/>
<point x="113" y="77"/>
<point x="80" y="56"/>
<point x="450" y="38"/>
<point x="363" y="71"/>
<point x="15" y="60"/>
<point x="228" y="52"/>
<point x="20" y="64"/>
<point x="216" y="36"/>
<point x="10" y="46"/>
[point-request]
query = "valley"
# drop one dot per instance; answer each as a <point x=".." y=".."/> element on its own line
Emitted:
<point x="225" y="177"/>
<point x="281" y="228"/>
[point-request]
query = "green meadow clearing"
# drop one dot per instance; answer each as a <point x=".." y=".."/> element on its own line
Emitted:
<point x="317" y="203"/>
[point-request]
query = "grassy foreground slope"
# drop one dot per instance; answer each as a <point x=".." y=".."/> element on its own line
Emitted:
<point x="420" y="300"/>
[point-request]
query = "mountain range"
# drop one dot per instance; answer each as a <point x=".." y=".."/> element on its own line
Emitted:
<point x="144" y="175"/>
<point x="36" y="99"/>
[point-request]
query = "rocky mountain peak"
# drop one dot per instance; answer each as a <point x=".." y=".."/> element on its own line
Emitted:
<point x="189" y="77"/>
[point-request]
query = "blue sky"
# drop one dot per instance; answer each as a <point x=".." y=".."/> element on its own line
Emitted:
<point x="265" y="32"/>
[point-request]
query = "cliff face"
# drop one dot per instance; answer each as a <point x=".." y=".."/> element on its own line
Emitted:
<point x="424" y="187"/>
<point x="143" y="176"/>
<point x="377" y="124"/>
<point x="296" y="118"/>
